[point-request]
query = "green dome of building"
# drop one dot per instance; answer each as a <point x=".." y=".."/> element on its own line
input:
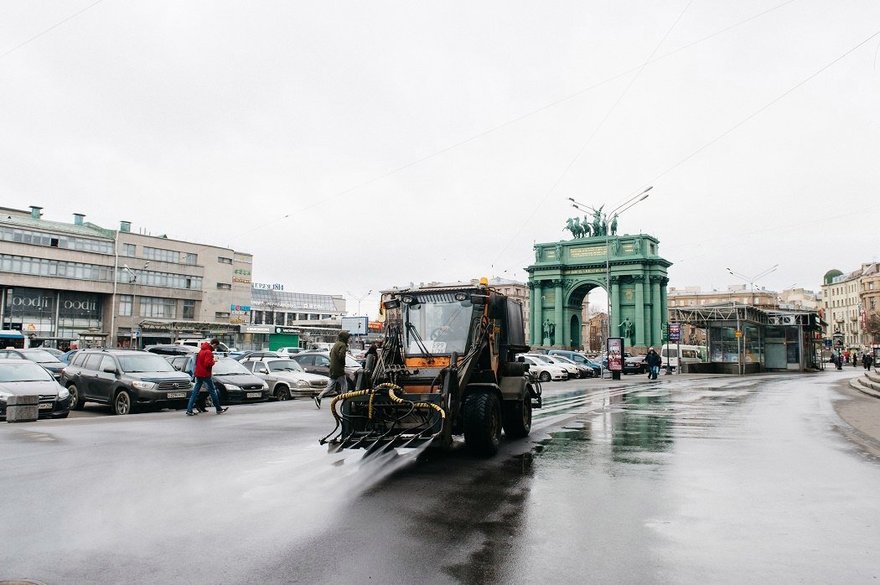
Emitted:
<point x="831" y="275"/>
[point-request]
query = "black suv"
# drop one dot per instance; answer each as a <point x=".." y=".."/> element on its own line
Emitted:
<point x="124" y="379"/>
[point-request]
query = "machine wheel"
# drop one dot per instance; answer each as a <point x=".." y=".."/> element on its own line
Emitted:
<point x="545" y="376"/>
<point x="76" y="400"/>
<point x="122" y="403"/>
<point x="517" y="418"/>
<point x="282" y="392"/>
<point x="482" y="423"/>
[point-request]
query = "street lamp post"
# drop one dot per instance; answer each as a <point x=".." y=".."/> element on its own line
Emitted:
<point x="740" y="335"/>
<point x="359" y="299"/>
<point x="753" y="279"/>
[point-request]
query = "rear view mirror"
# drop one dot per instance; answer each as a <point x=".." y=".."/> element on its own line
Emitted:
<point x="109" y="370"/>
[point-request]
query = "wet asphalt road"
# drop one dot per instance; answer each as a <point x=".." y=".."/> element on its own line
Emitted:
<point x="685" y="480"/>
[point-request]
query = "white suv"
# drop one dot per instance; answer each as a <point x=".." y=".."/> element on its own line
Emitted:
<point x="288" y="351"/>
<point x="542" y="370"/>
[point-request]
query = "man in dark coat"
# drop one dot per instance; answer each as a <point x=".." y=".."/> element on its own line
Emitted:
<point x="654" y="362"/>
<point x="338" y="381"/>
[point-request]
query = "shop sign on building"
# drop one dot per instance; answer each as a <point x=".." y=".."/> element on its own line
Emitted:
<point x="263" y="286"/>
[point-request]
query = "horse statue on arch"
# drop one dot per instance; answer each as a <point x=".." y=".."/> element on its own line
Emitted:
<point x="573" y="224"/>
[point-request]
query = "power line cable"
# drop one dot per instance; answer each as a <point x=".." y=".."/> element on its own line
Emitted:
<point x="526" y="115"/>
<point x="764" y="107"/>
<point x="50" y="29"/>
<point x="589" y="139"/>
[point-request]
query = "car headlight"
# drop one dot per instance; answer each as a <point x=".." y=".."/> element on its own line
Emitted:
<point x="63" y="394"/>
<point x="265" y="386"/>
<point x="141" y="385"/>
<point x="302" y="384"/>
<point x="232" y="387"/>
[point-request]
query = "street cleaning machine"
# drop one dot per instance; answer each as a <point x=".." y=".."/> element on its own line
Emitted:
<point x="447" y="367"/>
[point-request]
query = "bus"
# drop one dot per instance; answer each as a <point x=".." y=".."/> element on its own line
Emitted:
<point x="690" y="354"/>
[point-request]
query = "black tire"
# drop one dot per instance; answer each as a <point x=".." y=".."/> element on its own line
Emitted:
<point x="517" y="418"/>
<point x="76" y="399"/>
<point x="482" y="423"/>
<point x="545" y="376"/>
<point x="282" y="392"/>
<point x="122" y="403"/>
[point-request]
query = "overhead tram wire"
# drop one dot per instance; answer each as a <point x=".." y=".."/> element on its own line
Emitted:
<point x="595" y="131"/>
<point x="50" y="29"/>
<point x="529" y="114"/>
<point x="766" y="106"/>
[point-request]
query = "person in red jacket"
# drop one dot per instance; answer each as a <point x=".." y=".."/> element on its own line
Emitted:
<point x="204" y="364"/>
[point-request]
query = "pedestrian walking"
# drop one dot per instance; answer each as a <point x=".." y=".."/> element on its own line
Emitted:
<point x="654" y="362"/>
<point x="204" y="365"/>
<point x="338" y="381"/>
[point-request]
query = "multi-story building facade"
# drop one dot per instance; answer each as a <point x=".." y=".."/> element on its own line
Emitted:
<point x="846" y="304"/>
<point x="279" y="318"/>
<point x="64" y="283"/>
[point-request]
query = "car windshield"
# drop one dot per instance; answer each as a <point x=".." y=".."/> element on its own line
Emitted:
<point x="284" y="366"/>
<point x="437" y="323"/>
<point x="564" y="360"/>
<point x="41" y="356"/>
<point x="543" y="358"/>
<point x="227" y="367"/>
<point x="24" y="371"/>
<point x="146" y="362"/>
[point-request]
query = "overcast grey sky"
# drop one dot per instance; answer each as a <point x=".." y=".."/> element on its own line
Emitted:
<point x="358" y="145"/>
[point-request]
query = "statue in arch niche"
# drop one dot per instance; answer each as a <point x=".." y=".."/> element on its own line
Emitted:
<point x="627" y="330"/>
<point x="549" y="332"/>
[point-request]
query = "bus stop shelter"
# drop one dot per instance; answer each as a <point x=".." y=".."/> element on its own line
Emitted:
<point x="743" y="339"/>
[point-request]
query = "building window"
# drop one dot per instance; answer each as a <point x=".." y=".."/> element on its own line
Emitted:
<point x="46" y="267"/>
<point x="224" y="286"/>
<point x="191" y="259"/>
<point x="129" y="250"/>
<point x="223" y="260"/>
<point x="158" y="307"/>
<point x="221" y="315"/>
<point x="189" y="309"/>
<point x="162" y="255"/>
<point x="125" y="304"/>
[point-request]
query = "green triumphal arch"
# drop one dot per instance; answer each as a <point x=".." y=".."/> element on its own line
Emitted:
<point x="565" y="272"/>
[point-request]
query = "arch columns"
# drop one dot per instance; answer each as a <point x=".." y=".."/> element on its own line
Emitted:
<point x="641" y="322"/>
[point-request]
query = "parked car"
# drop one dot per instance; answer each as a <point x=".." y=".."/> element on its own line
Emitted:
<point x="570" y="368"/>
<point x="288" y="351"/>
<point x="580" y="359"/>
<point x="197" y="343"/>
<point x="54" y="351"/>
<point x="20" y="377"/>
<point x="235" y="383"/>
<point x="37" y="355"/>
<point x="584" y="371"/>
<point x="68" y="355"/>
<point x="634" y="364"/>
<point x="172" y="349"/>
<point x="285" y="377"/>
<point x="542" y="370"/>
<point x="124" y="379"/>
<point x="243" y="355"/>
<point x="318" y="362"/>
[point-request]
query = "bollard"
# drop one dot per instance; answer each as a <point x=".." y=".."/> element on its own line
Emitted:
<point x="22" y="408"/>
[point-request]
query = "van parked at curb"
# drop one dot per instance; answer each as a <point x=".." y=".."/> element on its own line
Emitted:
<point x="690" y="354"/>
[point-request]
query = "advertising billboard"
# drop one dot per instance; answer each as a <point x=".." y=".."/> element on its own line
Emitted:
<point x="614" y="347"/>
<point x="355" y="325"/>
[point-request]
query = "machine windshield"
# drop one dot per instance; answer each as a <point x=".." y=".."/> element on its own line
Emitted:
<point x="437" y="323"/>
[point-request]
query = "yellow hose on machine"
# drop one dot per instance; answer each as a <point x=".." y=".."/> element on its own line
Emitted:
<point x="421" y="405"/>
